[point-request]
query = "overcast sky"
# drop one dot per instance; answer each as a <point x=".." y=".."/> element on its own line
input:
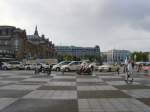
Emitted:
<point x="119" y="24"/>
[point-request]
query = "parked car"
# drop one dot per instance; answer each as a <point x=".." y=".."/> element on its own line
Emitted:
<point x="57" y="67"/>
<point x="73" y="66"/>
<point x="6" y="66"/>
<point x="16" y="65"/>
<point x="39" y="65"/>
<point x="29" y="66"/>
<point x="108" y="68"/>
<point x="94" y="66"/>
<point x="45" y="66"/>
<point x="146" y="66"/>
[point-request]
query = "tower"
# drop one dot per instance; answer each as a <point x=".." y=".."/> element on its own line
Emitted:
<point x="36" y="31"/>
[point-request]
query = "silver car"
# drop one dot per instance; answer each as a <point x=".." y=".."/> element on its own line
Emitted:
<point x="57" y="67"/>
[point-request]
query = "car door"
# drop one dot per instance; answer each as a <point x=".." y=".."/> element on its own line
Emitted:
<point x="78" y="65"/>
<point x="73" y="66"/>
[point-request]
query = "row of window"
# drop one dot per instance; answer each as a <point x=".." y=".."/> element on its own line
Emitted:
<point x="4" y="42"/>
<point x="7" y="51"/>
<point x="6" y="31"/>
<point x="77" y="49"/>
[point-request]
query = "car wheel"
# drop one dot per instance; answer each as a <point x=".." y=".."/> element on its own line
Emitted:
<point x="100" y="70"/>
<point x="67" y="69"/>
<point x="57" y="69"/>
<point x="5" y="68"/>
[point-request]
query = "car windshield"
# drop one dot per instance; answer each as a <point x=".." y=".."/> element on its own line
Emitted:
<point x="75" y="63"/>
<point x="64" y="63"/>
<point x="14" y="62"/>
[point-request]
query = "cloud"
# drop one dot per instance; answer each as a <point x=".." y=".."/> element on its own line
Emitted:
<point x="108" y="23"/>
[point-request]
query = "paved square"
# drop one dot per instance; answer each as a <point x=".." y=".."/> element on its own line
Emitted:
<point x="20" y="87"/>
<point x="112" y="105"/>
<point x="39" y="105"/>
<point x="143" y="93"/>
<point x="4" y="102"/>
<point x="22" y="91"/>
<point x="52" y="94"/>
<point x="94" y="88"/>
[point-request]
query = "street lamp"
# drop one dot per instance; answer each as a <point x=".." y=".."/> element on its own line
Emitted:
<point x="135" y="57"/>
<point x="149" y="56"/>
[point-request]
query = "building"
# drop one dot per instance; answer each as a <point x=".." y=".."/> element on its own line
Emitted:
<point x="78" y="51"/>
<point x="116" y="56"/>
<point x="12" y="42"/>
<point x="44" y="48"/>
<point x="15" y="44"/>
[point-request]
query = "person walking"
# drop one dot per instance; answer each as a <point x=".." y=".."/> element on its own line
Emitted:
<point x="1" y="65"/>
<point x="49" y="70"/>
<point x="125" y="65"/>
<point x="37" y="69"/>
<point x="129" y="73"/>
<point x="118" y="69"/>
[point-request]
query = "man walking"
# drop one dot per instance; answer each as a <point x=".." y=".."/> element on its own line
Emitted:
<point x="129" y="72"/>
<point x="0" y="65"/>
<point x="49" y="70"/>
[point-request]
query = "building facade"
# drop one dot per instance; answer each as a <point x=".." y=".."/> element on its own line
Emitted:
<point x="78" y="51"/>
<point x="116" y="56"/>
<point x="15" y="44"/>
<point x="44" y="48"/>
<point x="12" y="42"/>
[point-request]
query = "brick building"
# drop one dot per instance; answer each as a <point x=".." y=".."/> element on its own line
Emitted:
<point x="44" y="48"/>
<point x="15" y="44"/>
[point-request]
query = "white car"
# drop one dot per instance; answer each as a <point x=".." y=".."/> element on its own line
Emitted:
<point x="93" y="66"/>
<point x="45" y="66"/>
<point x="6" y="66"/>
<point x="12" y="65"/>
<point x="57" y="67"/>
<point x="108" y="68"/>
<point x="73" y="66"/>
<point x="30" y="66"/>
<point x="16" y="65"/>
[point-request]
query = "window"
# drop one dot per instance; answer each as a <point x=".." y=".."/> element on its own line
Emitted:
<point x="5" y="42"/>
<point x="16" y="43"/>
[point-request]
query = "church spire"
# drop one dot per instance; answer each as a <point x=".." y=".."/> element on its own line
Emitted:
<point x="36" y="31"/>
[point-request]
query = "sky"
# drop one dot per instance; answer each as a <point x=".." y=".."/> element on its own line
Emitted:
<point x="111" y="24"/>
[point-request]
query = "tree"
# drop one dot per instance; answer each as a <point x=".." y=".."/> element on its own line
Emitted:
<point x="140" y="56"/>
<point x="68" y="58"/>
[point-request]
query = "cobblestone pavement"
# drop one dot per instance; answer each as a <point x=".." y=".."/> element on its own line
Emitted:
<point x="21" y="91"/>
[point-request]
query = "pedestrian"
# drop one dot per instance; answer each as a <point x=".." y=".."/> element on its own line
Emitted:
<point x="49" y="70"/>
<point x="129" y="73"/>
<point x="36" y="69"/>
<point x="125" y="65"/>
<point x="132" y="64"/>
<point x="139" y="68"/>
<point x="118" y="70"/>
<point x="0" y="65"/>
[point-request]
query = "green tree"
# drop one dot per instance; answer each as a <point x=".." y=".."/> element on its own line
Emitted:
<point x="140" y="56"/>
<point x="68" y="58"/>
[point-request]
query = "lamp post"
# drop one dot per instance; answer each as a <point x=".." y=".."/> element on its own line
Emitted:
<point x="149" y="56"/>
<point x="135" y="57"/>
